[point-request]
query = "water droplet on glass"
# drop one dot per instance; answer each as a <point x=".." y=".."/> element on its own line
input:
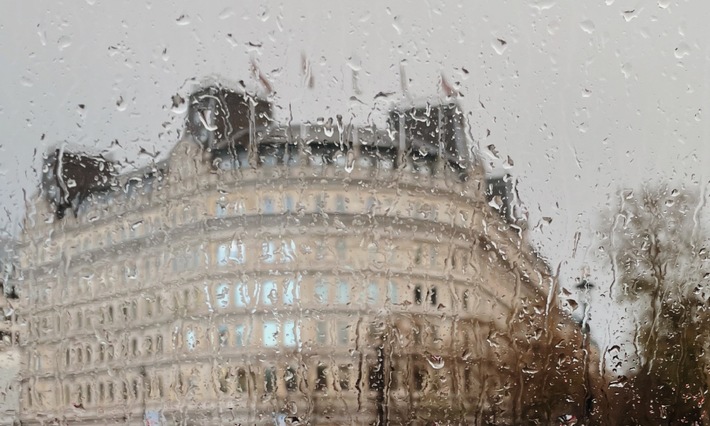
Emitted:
<point x="499" y="45"/>
<point x="226" y="13"/>
<point x="63" y="42"/>
<point x="630" y="14"/>
<point x="436" y="361"/>
<point x="682" y="50"/>
<point x="183" y="20"/>
<point x="587" y="26"/>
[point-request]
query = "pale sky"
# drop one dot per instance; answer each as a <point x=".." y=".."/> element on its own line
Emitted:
<point x="584" y="97"/>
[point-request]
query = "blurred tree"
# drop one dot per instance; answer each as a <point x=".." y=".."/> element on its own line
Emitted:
<point x="658" y="250"/>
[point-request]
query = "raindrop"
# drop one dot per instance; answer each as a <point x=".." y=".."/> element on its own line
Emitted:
<point x="663" y="4"/>
<point x="436" y="361"/>
<point x="183" y="20"/>
<point x="179" y="106"/>
<point x="226" y="13"/>
<point x="619" y="383"/>
<point x="682" y="50"/>
<point x="542" y="5"/>
<point x="587" y="26"/>
<point x="626" y="70"/>
<point x="499" y="45"/>
<point x="63" y="42"/>
<point x="629" y="15"/>
<point x="120" y="104"/>
<point x="349" y="161"/>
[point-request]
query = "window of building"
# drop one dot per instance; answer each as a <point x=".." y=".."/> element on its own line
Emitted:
<point x="418" y="294"/>
<point x="241" y="295"/>
<point x="222" y="256"/>
<point x="240" y="336"/>
<point x="270" y="379"/>
<point x="376" y="377"/>
<point x="343" y="293"/>
<point x="344" y="373"/>
<point x="292" y="333"/>
<point x="237" y="252"/>
<point x="222" y="296"/>
<point x="321" y="332"/>
<point x="432" y="296"/>
<point x="340" y="203"/>
<point x="241" y="380"/>
<point x="420" y="378"/>
<point x="341" y="249"/>
<point x="222" y="333"/>
<point x="321" y="292"/>
<point x="321" y="380"/>
<point x="288" y="251"/>
<point x="343" y="332"/>
<point x="269" y="294"/>
<point x="292" y="291"/>
<point x="220" y="209"/>
<point x="289" y="203"/>
<point x="392" y="293"/>
<point x="291" y="379"/>
<point x="373" y="294"/>
<point x="191" y="340"/>
<point x="267" y="205"/>
<point x="268" y="254"/>
<point x="271" y="332"/>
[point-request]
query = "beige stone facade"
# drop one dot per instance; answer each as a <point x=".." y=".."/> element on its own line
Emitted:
<point x="338" y="287"/>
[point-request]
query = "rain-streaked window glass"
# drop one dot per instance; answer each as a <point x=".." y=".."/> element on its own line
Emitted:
<point x="271" y="334"/>
<point x="403" y="213"/>
<point x="291" y="333"/>
<point x="241" y="295"/>
<point x="240" y="335"/>
<point x="321" y="292"/>
<point x="292" y="291"/>
<point x="342" y="295"/>
<point x="269" y="294"/>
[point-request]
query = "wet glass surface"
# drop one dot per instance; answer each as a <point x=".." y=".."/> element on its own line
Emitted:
<point x="435" y="212"/>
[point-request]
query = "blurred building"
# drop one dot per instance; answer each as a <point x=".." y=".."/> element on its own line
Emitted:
<point x="265" y="273"/>
<point x="10" y="355"/>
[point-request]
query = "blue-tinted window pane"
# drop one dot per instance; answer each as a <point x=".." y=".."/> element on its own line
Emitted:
<point x="191" y="340"/>
<point x="288" y="251"/>
<point x="241" y="295"/>
<point x="292" y="292"/>
<point x="394" y="297"/>
<point x="292" y="334"/>
<point x="222" y="331"/>
<point x="240" y="336"/>
<point x="222" y="255"/>
<point x="321" y="292"/>
<point x="268" y="205"/>
<point x="222" y="296"/>
<point x="267" y="252"/>
<point x="343" y="295"/>
<point x="268" y="293"/>
<point x="373" y="294"/>
<point x="271" y="331"/>
<point x="236" y="252"/>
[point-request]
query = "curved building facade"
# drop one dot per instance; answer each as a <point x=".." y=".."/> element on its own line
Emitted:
<point x="268" y="274"/>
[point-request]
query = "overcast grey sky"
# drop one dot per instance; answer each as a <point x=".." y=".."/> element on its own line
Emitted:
<point x="584" y="97"/>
